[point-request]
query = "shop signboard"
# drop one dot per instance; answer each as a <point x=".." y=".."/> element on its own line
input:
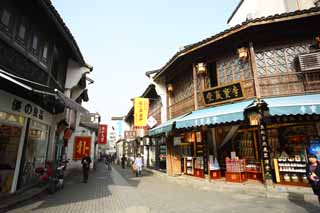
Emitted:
<point x="226" y="93"/>
<point x="151" y="122"/>
<point x="102" y="134"/>
<point x="130" y="135"/>
<point x="82" y="147"/>
<point x="141" y="110"/>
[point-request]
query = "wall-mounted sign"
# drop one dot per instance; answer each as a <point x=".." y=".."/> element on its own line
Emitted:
<point x="130" y="135"/>
<point x="151" y="122"/>
<point x="226" y="93"/>
<point x="82" y="147"/>
<point x="102" y="134"/>
<point x="27" y="108"/>
<point x="141" y="110"/>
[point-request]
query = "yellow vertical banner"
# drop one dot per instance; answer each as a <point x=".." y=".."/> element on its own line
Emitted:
<point x="141" y="110"/>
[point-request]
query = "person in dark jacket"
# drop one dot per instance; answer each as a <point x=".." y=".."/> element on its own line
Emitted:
<point x="313" y="173"/>
<point x="86" y="160"/>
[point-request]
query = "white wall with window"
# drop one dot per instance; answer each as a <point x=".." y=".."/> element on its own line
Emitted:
<point x="251" y="9"/>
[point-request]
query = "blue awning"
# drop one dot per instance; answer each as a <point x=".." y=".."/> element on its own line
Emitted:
<point x="214" y="115"/>
<point x="293" y="105"/>
<point x="166" y="126"/>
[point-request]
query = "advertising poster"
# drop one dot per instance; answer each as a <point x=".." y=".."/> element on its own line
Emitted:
<point x="102" y="134"/>
<point x="82" y="147"/>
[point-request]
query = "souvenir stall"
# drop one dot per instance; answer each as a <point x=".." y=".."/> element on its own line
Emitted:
<point x="290" y="161"/>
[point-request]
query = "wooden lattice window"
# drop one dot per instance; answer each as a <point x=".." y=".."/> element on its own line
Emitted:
<point x="280" y="60"/>
<point x="183" y="87"/>
<point x="233" y="69"/>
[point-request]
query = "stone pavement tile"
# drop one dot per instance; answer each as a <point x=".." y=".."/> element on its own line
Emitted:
<point x="120" y="191"/>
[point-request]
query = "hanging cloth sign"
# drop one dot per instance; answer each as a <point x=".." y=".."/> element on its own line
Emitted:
<point x="141" y="110"/>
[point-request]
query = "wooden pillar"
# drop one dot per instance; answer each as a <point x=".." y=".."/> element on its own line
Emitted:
<point x="253" y="63"/>
<point x="195" y="86"/>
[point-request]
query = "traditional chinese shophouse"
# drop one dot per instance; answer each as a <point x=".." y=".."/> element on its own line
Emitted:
<point x="36" y="52"/>
<point x="153" y="149"/>
<point x="245" y="103"/>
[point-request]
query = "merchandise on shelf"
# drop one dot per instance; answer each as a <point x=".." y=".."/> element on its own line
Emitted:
<point x="236" y="165"/>
<point x="292" y="169"/>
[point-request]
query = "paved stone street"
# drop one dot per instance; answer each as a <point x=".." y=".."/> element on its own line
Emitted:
<point x="120" y="191"/>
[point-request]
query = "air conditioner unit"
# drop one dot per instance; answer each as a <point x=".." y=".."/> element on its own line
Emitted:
<point x="309" y="61"/>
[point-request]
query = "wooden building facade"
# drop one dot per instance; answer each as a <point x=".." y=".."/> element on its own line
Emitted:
<point x="270" y="64"/>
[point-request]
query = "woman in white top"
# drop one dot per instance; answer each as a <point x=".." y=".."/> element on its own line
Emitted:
<point x="138" y="164"/>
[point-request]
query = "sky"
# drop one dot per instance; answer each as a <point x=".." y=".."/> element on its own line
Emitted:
<point x="124" y="39"/>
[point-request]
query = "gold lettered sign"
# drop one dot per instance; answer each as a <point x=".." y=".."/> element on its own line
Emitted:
<point x="230" y="92"/>
<point x="141" y="110"/>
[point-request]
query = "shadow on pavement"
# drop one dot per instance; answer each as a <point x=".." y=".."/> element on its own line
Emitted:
<point x="298" y="199"/>
<point x="76" y="191"/>
<point x="130" y="176"/>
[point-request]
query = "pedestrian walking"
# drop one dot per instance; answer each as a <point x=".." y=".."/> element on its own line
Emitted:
<point x="86" y="160"/>
<point x="313" y="173"/>
<point x="138" y="165"/>
<point x="123" y="161"/>
<point x="108" y="162"/>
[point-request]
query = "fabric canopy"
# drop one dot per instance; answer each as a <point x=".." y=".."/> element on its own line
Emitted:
<point x="293" y="105"/>
<point x="214" y="115"/>
<point x="165" y="127"/>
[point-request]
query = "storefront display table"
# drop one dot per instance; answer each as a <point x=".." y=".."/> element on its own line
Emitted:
<point x="215" y="174"/>
<point x="199" y="173"/>
<point x="236" y="177"/>
<point x="254" y="175"/>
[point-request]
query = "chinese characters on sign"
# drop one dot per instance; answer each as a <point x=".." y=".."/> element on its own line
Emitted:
<point x="28" y="109"/>
<point x="222" y="94"/>
<point x="82" y="147"/>
<point x="130" y="134"/>
<point x="141" y="108"/>
<point x="102" y="135"/>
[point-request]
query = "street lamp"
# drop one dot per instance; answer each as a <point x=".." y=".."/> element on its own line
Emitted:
<point x="201" y="69"/>
<point x="256" y="114"/>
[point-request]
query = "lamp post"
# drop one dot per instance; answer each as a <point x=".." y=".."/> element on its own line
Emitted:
<point x="257" y="114"/>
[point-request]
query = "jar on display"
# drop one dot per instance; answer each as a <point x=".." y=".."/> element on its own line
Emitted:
<point x="295" y="178"/>
<point x="305" y="179"/>
<point x="286" y="178"/>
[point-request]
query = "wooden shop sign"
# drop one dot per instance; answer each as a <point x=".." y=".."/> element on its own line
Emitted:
<point x="226" y="93"/>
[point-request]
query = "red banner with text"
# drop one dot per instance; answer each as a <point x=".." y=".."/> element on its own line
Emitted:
<point x="102" y="134"/>
<point x="82" y="147"/>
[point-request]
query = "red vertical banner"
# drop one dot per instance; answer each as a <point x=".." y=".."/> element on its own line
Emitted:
<point x="82" y="147"/>
<point x="102" y="134"/>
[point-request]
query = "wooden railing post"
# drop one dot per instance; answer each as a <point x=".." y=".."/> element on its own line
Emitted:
<point x="253" y="64"/>
<point x="195" y="86"/>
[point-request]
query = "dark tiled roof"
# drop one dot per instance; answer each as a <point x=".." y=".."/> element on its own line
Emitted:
<point x="55" y="16"/>
<point x="256" y="21"/>
<point x="152" y="72"/>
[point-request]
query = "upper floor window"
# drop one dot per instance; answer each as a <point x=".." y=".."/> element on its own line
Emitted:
<point x="280" y="60"/>
<point x="34" y="46"/>
<point x="212" y="72"/>
<point x="233" y="69"/>
<point x="6" y="20"/>
<point x="44" y="54"/>
<point x="21" y="35"/>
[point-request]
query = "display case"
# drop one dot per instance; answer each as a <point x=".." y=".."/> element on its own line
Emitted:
<point x="253" y="170"/>
<point x="189" y="165"/>
<point x="199" y="167"/>
<point x="291" y="170"/>
<point x="236" y="170"/>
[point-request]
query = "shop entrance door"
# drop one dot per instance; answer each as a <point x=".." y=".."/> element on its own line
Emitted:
<point x="9" y="144"/>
